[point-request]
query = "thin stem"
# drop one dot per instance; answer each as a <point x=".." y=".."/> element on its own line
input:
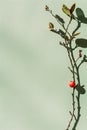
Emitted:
<point x="78" y="114"/>
<point x="72" y="60"/>
<point x="68" y="24"/>
<point x="72" y="113"/>
<point x="78" y="102"/>
<point x="72" y="70"/>
<point x="78" y="96"/>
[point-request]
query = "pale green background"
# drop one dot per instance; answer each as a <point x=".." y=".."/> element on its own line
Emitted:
<point x="34" y="92"/>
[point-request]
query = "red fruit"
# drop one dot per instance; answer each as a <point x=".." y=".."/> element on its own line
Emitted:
<point x="72" y="84"/>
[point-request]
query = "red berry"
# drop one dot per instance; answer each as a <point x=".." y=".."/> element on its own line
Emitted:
<point x="72" y="84"/>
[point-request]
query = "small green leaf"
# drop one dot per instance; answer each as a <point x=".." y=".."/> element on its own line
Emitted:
<point x="75" y="34"/>
<point x="51" y="26"/>
<point x="66" y="10"/>
<point x="59" y="19"/>
<point x="81" y="16"/>
<point x="80" y="42"/>
<point x="81" y="89"/>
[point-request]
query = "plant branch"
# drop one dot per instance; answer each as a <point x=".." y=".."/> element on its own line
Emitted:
<point x="72" y="113"/>
<point x="74" y="67"/>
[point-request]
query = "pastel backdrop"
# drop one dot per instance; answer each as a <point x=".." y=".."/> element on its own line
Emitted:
<point x="34" y="92"/>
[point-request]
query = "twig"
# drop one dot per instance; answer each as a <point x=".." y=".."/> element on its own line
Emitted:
<point x="71" y="70"/>
<point x="78" y="114"/>
<point x="72" y="113"/>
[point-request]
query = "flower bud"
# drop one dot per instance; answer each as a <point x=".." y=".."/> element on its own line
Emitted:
<point x="46" y="8"/>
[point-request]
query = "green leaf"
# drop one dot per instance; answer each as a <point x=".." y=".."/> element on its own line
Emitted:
<point x="81" y="89"/>
<point x="59" y="19"/>
<point x="80" y="42"/>
<point x="81" y="16"/>
<point x="66" y="10"/>
<point x="75" y="34"/>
